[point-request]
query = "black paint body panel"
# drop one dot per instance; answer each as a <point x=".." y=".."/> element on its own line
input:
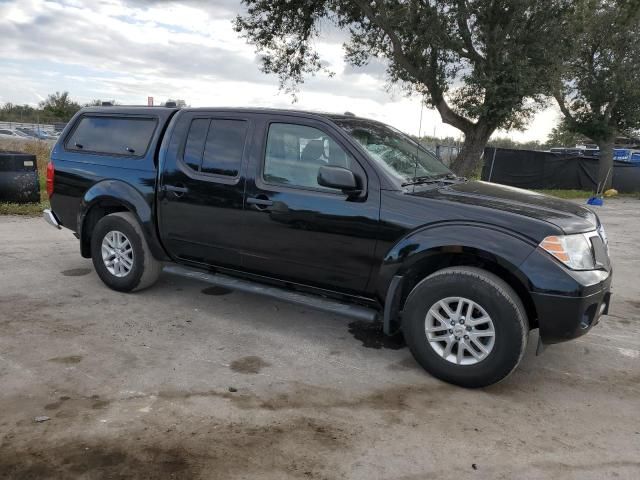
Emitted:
<point x="337" y="244"/>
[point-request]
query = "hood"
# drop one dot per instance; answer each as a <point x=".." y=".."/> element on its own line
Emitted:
<point x="568" y="216"/>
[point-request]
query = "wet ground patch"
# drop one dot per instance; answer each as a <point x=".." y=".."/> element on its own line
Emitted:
<point x="70" y="359"/>
<point x="251" y="364"/>
<point x="372" y="336"/>
<point x="216" y="291"/>
<point x="200" y="449"/>
<point x="634" y="303"/>
<point x="403" y="365"/>
<point x="76" y="272"/>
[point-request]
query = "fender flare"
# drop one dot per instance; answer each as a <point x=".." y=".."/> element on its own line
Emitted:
<point x="116" y="193"/>
<point x="505" y="247"/>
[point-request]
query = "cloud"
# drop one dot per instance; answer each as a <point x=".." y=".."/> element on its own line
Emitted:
<point x="130" y="49"/>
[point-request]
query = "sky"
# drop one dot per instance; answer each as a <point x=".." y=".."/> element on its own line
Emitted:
<point x="128" y="50"/>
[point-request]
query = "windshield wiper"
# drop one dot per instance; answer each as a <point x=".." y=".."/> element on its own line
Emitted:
<point x="424" y="179"/>
<point x="421" y="180"/>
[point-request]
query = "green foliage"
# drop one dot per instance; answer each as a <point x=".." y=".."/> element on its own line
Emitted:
<point x="562" y="136"/>
<point x="567" y="194"/>
<point x="98" y="102"/>
<point x="27" y="209"/>
<point x="599" y="91"/>
<point x="57" y="107"/>
<point x="60" y="106"/>
<point x="483" y="64"/>
<point x="504" y="142"/>
<point x="10" y="112"/>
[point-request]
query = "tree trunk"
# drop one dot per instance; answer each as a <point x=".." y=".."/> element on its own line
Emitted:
<point x="467" y="163"/>
<point x="605" y="163"/>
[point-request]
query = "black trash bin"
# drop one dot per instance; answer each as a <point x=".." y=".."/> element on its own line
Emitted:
<point x="19" y="177"/>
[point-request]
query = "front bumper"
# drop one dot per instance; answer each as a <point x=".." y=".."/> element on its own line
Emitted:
<point x="568" y="303"/>
<point x="563" y="318"/>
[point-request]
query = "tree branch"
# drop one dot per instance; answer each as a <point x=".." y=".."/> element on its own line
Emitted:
<point x="429" y="78"/>
<point x="559" y="96"/>
<point x="461" y="18"/>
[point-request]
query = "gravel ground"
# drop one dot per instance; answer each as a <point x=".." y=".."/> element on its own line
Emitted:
<point x="184" y="381"/>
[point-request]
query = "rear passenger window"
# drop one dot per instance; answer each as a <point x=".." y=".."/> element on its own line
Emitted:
<point x="215" y="146"/>
<point x="194" y="148"/>
<point x="112" y="135"/>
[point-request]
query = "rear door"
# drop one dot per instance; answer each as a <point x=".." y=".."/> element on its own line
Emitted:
<point x="202" y="187"/>
<point x="296" y="229"/>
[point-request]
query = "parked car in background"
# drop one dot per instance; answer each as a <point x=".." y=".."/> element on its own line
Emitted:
<point x="35" y="133"/>
<point x="336" y="212"/>
<point x="11" y="134"/>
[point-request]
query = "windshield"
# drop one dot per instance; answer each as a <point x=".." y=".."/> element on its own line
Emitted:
<point x="398" y="154"/>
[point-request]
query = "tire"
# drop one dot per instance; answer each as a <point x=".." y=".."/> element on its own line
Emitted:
<point x="486" y="295"/>
<point x="143" y="271"/>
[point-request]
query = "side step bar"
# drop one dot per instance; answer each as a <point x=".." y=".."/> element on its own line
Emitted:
<point x="306" y="300"/>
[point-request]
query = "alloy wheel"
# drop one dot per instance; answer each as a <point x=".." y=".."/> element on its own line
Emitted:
<point x="117" y="253"/>
<point x="460" y="330"/>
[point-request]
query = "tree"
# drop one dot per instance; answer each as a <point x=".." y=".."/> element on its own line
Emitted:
<point x="562" y="136"/>
<point x="599" y="93"/>
<point x="96" y="102"/>
<point x="483" y="64"/>
<point x="11" y="112"/>
<point x="505" y="142"/>
<point x="60" y="106"/>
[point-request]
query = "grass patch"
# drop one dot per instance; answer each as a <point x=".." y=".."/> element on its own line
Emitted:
<point x="568" y="194"/>
<point x="583" y="194"/>
<point x="28" y="209"/>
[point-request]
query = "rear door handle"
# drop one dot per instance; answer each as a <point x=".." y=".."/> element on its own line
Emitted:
<point x="261" y="202"/>
<point x="177" y="190"/>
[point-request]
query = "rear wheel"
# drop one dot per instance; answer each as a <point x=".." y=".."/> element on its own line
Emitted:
<point x="466" y="326"/>
<point x="121" y="255"/>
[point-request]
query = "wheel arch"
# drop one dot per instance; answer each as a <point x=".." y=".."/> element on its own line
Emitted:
<point x="111" y="196"/>
<point x="424" y="252"/>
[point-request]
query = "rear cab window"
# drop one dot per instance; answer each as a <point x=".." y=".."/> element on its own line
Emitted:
<point x="112" y="135"/>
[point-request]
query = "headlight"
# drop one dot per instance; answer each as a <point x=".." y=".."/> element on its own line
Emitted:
<point x="573" y="250"/>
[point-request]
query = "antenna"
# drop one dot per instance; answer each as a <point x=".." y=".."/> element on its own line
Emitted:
<point x="415" y="166"/>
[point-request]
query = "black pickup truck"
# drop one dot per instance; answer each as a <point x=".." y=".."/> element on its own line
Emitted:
<point x="333" y="211"/>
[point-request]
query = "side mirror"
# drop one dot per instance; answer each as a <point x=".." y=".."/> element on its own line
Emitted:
<point x="338" y="177"/>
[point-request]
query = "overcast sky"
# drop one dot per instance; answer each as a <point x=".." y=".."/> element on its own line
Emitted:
<point x="128" y="50"/>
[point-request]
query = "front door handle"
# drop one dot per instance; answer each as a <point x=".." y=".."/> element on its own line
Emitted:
<point x="261" y="202"/>
<point x="177" y="190"/>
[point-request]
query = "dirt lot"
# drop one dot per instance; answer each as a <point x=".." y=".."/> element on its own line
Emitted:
<point x="183" y="381"/>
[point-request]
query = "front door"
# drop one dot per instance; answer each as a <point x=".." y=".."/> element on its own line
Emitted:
<point x="202" y="188"/>
<point x="296" y="229"/>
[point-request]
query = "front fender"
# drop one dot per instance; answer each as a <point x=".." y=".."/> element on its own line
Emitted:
<point x="504" y="247"/>
<point x="116" y="193"/>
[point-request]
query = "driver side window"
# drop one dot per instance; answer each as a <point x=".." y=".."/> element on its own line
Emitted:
<point x="296" y="152"/>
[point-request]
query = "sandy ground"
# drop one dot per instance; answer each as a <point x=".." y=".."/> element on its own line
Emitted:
<point x="181" y="381"/>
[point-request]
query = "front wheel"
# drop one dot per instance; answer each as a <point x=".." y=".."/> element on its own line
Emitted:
<point x="465" y="326"/>
<point x="121" y="255"/>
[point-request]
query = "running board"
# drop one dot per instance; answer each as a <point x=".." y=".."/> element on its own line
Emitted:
<point x="306" y="300"/>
